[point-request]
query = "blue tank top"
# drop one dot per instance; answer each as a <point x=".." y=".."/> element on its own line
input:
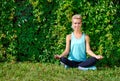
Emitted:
<point x="77" y="48"/>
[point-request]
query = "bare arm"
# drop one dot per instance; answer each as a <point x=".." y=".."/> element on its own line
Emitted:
<point x="66" y="51"/>
<point x="88" y="49"/>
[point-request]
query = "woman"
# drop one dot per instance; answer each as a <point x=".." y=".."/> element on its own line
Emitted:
<point x="77" y="45"/>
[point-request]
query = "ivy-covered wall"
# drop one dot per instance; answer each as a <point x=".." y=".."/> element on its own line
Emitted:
<point x="35" y="30"/>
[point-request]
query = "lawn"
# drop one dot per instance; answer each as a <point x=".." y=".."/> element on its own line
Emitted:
<point x="26" y="71"/>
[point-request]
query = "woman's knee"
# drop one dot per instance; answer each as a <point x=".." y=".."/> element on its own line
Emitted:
<point x="94" y="59"/>
<point x="63" y="59"/>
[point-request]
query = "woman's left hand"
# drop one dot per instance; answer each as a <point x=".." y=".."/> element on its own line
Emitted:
<point x="99" y="57"/>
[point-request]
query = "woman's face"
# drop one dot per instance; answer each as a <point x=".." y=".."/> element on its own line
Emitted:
<point x="76" y="24"/>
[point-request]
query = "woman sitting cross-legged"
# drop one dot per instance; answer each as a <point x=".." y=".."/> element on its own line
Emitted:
<point x="77" y="45"/>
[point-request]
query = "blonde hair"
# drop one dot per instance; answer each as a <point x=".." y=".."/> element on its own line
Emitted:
<point x="77" y="16"/>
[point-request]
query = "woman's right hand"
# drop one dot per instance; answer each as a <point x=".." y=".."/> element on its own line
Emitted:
<point x="57" y="57"/>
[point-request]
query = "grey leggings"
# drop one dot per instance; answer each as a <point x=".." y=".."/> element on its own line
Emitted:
<point x="89" y="62"/>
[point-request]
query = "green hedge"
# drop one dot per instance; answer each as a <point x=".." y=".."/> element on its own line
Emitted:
<point x="35" y="30"/>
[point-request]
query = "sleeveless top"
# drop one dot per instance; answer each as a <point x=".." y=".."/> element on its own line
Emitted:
<point x="77" y="48"/>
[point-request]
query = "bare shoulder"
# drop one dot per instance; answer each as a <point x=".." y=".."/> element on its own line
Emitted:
<point x="68" y="37"/>
<point x="87" y="37"/>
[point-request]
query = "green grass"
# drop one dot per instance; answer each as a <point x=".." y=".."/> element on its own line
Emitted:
<point x="25" y="71"/>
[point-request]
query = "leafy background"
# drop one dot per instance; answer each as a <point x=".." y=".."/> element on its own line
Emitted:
<point x="35" y="30"/>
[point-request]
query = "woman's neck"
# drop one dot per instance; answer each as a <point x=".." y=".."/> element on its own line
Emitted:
<point x="77" y="32"/>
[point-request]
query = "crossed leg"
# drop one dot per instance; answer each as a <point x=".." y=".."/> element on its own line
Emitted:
<point x="89" y="62"/>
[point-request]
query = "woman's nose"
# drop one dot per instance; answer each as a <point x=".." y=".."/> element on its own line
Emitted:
<point x="77" y="24"/>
